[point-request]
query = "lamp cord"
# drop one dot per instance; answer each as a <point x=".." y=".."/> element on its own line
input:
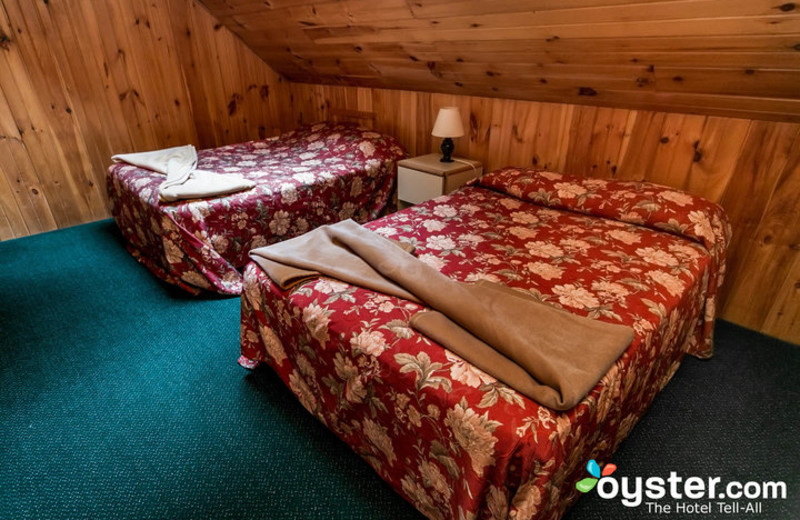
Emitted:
<point x="470" y="164"/>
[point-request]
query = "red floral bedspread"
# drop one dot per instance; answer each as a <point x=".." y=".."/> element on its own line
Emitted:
<point x="315" y="175"/>
<point x="451" y="439"/>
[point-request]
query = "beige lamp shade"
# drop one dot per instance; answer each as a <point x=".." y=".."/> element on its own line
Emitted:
<point x="448" y="123"/>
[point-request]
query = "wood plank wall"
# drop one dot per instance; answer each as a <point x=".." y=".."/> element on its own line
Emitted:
<point x="752" y="168"/>
<point x="80" y="81"/>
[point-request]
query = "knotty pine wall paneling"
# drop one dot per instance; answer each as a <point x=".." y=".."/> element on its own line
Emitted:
<point x="750" y="167"/>
<point x="80" y="81"/>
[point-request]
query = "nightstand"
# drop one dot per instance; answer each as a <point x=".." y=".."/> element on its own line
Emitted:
<point x="426" y="177"/>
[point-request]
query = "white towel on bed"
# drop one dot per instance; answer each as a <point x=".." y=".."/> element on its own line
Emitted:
<point x="184" y="180"/>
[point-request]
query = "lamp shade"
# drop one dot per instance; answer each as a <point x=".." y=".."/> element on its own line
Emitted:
<point x="448" y="123"/>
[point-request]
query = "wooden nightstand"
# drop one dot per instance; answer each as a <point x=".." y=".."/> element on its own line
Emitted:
<point x="425" y="177"/>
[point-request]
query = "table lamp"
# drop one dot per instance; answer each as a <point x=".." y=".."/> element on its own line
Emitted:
<point x="448" y="125"/>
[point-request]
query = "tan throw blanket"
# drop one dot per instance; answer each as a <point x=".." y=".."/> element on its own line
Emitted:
<point x="184" y="180"/>
<point x="548" y="354"/>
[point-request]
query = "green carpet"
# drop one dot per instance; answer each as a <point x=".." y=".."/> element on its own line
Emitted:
<point x="120" y="397"/>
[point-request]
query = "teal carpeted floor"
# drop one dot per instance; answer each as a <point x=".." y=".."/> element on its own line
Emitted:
<point x="120" y="397"/>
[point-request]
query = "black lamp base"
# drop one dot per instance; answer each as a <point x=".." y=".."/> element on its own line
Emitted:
<point x="447" y="150"/>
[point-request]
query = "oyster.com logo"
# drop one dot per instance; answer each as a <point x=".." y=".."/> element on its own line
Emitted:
<point x="588" y="484"/>
<point x="678" y="494"/>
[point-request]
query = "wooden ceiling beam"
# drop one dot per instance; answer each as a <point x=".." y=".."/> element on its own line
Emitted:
<point x="637" y="29"/>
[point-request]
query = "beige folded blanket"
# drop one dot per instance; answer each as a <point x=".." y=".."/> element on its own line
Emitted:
<point x="548" y="354"/>
<point x="184" y="180"/>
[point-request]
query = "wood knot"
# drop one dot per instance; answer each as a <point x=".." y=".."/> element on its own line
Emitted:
<point x="233" y="104"/>
<point x="432" y="68"/>
<point x="664" y="140"/>
<point x="789" y="6"/>
<point x="473" y="123"/>
<point x="586" y="91"/>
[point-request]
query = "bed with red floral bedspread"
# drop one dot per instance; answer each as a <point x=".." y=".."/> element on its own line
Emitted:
<point x="315" y="175"/>
<point x="452" y="440"/>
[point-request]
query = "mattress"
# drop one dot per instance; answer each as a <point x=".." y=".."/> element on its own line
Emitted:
<point x="451" y="439"/>
<point x="315" y="175"/>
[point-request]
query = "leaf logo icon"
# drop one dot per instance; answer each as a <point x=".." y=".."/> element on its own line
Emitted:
<point x="588" y="484"/>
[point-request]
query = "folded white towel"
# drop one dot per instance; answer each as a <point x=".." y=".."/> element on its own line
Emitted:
<point x="184" y="180"/>
<point x="202" y="184"/>
<point x="183" y="160"/>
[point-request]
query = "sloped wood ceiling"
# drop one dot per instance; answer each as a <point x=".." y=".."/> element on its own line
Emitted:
<point x="725" y="57"/>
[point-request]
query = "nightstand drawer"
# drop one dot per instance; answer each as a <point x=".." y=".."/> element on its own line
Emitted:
<point x="456" y="180"/>
<point x="414" y="186"/>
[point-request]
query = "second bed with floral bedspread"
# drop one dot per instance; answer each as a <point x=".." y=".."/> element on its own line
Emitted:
<point x="451" y="439"/>
<point x="315" y="175"/>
